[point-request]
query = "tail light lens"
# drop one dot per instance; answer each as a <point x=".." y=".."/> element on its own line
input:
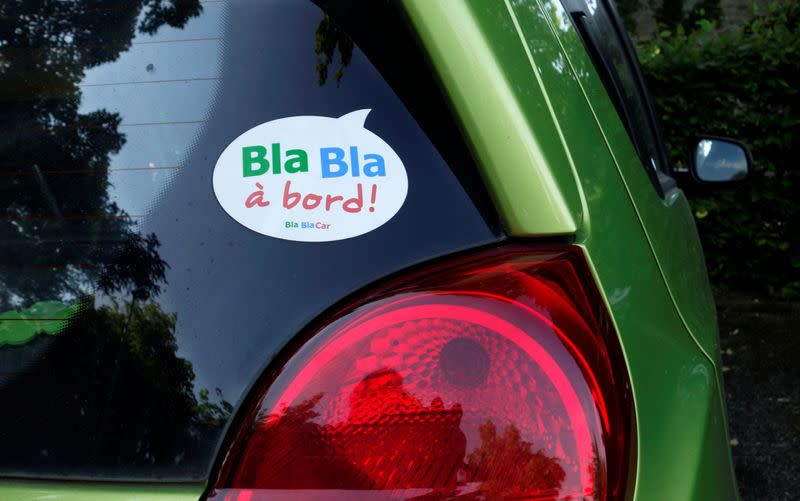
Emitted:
<point x="496" y="376"/>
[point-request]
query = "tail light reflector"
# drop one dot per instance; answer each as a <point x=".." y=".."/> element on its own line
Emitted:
<point x="493" y="377"/>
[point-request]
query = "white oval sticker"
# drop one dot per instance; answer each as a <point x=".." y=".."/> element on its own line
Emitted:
<point x="310" y="178"/>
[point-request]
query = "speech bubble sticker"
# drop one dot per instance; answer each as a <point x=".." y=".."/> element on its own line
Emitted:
<point x="311" y="178"/>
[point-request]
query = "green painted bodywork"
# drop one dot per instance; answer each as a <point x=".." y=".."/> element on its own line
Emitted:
<point x="643" y="248"/>
<point x="21" y="490"/>
<point x="504" y="121"/>
<point x="557" y="161"/>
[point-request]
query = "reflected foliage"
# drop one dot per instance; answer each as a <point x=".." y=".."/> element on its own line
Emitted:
<point x="627" y="11"/>
<point x="110" y="391"/>
<point x="58" y="218"/>
<point x="380" y="445"/>
<point x="296" y="446"/>
<point x="171" y="12"/>
<point x="391" y="440"/>
<point x="210" y="413"/>
<point x="134" y="343"/>
<point x="329" y="40"/>
<point x="506" y="465"/>
<point x="136" y="268"/>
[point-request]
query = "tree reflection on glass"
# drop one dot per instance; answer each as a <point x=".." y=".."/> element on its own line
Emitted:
<point x="506" y="465"/>
<point x="391" y="440"/>
<point x="57" y="217"/>
<point x="115" y="372"/>
<point x="329" y="39"/>
<point x="109" y="391"/>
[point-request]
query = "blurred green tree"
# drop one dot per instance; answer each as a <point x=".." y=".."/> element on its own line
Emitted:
<point x="743" y="84"/>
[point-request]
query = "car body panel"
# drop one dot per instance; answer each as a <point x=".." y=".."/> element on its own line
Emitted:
<point x="24" y="490"/>
<point x="557" y="161"/>
<point x="676" y="386"/>
<point x="509" y="125"/>
<point x="667" y="220"/>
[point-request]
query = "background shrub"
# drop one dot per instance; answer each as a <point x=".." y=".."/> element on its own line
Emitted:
<point x="741" y="84"/>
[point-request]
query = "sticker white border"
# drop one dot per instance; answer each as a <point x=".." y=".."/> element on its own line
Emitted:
<point x="311" y="178"/>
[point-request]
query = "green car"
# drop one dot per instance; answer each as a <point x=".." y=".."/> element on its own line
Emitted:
<point x="334" y="250"/>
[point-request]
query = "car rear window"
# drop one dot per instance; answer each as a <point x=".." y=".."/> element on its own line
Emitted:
<point x="135" y="313"/>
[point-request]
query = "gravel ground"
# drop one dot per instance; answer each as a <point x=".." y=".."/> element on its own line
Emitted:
<point x="761" y="364"/>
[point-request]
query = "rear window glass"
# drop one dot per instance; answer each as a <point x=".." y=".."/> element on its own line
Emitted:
<point x="135" y="313"/>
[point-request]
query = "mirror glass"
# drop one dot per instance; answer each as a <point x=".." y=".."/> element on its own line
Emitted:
<point x="719" y="161"/>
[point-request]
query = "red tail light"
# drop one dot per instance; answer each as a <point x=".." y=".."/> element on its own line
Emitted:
<point x="498" y="376"/>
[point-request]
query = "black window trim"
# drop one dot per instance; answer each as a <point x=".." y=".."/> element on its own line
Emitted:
<point x="662" y="179"/>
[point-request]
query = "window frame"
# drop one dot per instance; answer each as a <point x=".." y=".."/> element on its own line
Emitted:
<point x="587" y="29"/>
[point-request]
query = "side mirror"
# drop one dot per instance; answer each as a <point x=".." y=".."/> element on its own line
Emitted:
<point x="718" y="160"/>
